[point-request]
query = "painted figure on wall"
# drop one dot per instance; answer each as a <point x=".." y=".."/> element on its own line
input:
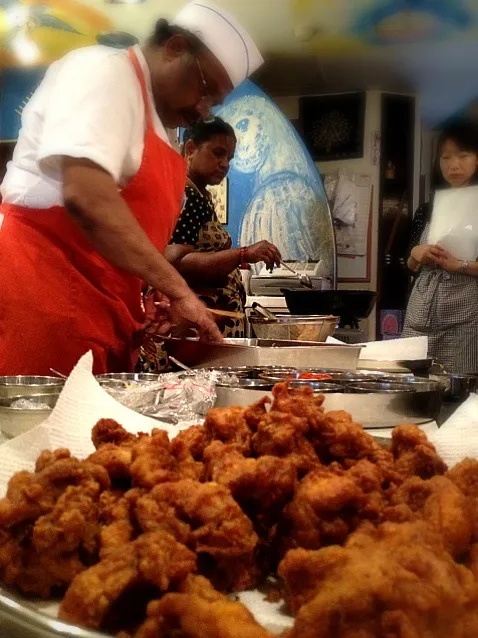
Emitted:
<point x="351" y="24"/>
<point x="276" y="192"/>
<point x="37" y="32"/>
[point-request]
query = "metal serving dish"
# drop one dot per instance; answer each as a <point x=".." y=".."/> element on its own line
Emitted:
<point x="127" y="376"/>
<point x="243" y="372"/>
<point x="20" y="619"/>
<point x="380" y="387"/>
<point x="16" y="421"/>
<point x="270" y="371"/>
<point x="376" y="405"/>
<point x="25" y="385"/>
<point x="294" y="327"/>
<point x="334" y="376"/>
<point x="260" y="353"/>
<point x="321" y="387"/>
<point x="245" y="393"/>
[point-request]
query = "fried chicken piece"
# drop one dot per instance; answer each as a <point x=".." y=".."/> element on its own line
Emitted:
<point x="49" y="523"/>
<point x="303" y="572"/>
<point x="38" y="573"/>
<point x="439" y="502"/>
<point x="414" y="454"/>
<point x="188" y="448"/>
<point x="109" y="431"/>
<point x="116" y="517"/>
<point x="472" y="560"/>
<point x="229" y="426"/>
<point x="116" y="460"/>
<point x="326" y="507"/>
<point x="199" y="611"/>
<point x="205" y="517"/>
<point x="152" y="461"/>
<point x="465" y="476"/>
<point x="301" y="402"/>
<point x="255" y="413"/>
<point x="47" y="458"/>
<point x="148" y="565"/>
<point x="339" y="438"/>
<point x="263" y="484"/>
<point x="30" y="495"/>
<point x="283" y="435"/>
<point x="72" y="524"/>
<point x="394" y="581"/>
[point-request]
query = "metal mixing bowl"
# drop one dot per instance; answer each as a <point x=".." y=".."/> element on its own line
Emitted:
<point x="294" y="327"/>
<point x="26" y="385"/>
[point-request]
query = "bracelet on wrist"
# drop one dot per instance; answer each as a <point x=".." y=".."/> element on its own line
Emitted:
<point x="243" y="262"/>
<point x="464" y="265"/>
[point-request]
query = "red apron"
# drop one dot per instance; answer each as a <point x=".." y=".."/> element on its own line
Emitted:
<point x="59" y="297"/>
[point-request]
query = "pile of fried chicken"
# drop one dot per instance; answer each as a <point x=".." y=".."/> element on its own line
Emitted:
<point x="147" y="538"/>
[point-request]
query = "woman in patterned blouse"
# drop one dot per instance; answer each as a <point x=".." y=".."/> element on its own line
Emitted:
<point x="201" y="248"/>
<point x="444" y="300"/>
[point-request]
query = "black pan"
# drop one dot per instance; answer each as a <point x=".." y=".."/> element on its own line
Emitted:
<point x="350" y="305"/>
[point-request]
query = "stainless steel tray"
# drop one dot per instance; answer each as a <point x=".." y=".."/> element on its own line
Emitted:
<point x="372" y="410"/>
<point x="20" y="619"/>
<point x="262" y="352"/>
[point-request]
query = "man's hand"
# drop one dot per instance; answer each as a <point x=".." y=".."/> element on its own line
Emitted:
<point x="157" y="308"/>
<point x="189" y="310"/>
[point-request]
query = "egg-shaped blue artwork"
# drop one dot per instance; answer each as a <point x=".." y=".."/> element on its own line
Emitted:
<point x="275" y="190"/>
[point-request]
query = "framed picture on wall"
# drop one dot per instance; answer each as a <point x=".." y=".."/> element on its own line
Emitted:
<point x="220" y="198"/>
<point x="333" y="126"/>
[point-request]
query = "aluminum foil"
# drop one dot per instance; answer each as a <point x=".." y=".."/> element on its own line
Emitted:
<point x="174" y="397"/>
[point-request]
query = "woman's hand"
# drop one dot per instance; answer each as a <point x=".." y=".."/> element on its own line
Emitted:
<point x="447" y="262"/>
<point x="263" y="251"/>
<point x="426" y="255"/>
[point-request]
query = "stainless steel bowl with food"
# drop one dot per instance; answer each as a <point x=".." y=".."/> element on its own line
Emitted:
<point x="21" y="413"/>
<point x="22" y="385"/>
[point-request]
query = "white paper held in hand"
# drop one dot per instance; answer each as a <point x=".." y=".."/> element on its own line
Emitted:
<point x="454" y="222"/>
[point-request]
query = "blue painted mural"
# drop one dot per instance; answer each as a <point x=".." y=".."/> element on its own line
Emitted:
<point x="275" y="190"/>
<point x="17" y="86"/>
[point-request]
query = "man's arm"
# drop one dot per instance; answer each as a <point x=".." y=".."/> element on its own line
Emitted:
<point x="94" y="203"/>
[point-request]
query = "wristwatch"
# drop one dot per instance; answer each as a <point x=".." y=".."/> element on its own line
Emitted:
<point x="464" y="265"/>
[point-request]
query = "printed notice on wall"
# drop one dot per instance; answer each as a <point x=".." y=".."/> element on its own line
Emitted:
<point x="350" y="196"/>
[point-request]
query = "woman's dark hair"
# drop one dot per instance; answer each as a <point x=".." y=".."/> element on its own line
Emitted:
<point x="465" y="135"/>
<point x="163" y="31"/>
<point x="205" y="131"/>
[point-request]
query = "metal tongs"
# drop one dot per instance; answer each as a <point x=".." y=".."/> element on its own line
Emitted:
<point x="304" y="279"/>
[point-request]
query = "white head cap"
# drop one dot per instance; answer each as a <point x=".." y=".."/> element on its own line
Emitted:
<point x="223" y="36"/>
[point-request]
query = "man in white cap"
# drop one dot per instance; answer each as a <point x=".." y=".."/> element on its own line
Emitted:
<point x="94" y="190"/>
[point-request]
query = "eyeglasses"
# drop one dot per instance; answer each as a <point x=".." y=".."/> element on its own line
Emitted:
<point x="205" y="104"/>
